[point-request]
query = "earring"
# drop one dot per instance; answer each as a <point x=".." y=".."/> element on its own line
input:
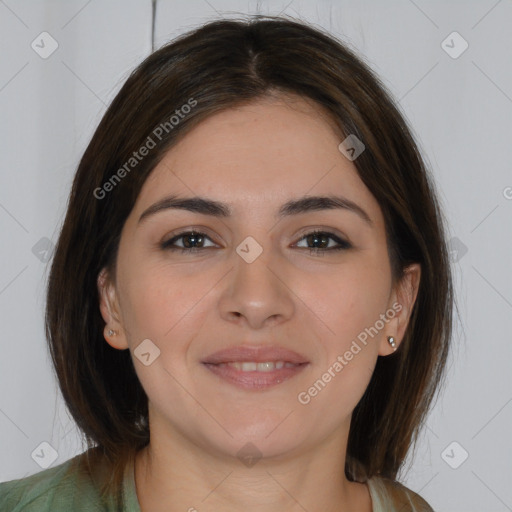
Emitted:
<point x="111" y="332"/>
<point x="392" y="342"/>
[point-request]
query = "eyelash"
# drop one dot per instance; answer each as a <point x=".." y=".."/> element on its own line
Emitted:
<point x="343" y="245"/>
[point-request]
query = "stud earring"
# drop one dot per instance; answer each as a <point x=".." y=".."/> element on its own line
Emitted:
<point x="111" y="332"/>
<point x="392" y="342"/>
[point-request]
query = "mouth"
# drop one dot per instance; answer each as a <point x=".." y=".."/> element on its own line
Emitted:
<point x="255" y="368"/>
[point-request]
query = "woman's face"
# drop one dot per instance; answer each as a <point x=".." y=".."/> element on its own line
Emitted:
<point x="253" y="282"/>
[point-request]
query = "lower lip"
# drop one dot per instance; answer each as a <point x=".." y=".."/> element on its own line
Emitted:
<point x="254" y="380"/>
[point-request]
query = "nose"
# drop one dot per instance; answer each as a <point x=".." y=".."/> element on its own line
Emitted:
<point x="257" y="293"/>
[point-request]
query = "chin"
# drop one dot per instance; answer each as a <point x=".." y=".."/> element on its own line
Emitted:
<point x="259" y="439"/>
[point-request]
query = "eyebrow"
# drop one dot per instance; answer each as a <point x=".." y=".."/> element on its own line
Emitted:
<point x="298" y="206"/>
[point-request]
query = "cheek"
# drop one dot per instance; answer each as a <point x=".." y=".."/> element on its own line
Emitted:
<point x="167" y="309"/>
<point x="152" y="301"/>
<point x="347" y="302"/>
<point x="165" y="305"/>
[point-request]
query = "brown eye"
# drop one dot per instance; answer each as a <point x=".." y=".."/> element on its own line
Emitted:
<point x="318" y="241"/>
<point x="192" y="241"/>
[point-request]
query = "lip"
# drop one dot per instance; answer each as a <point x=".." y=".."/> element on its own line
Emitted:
<point x="217" y="363"/>
<point x="254" y="380"/>
<point x="257" y="354"/>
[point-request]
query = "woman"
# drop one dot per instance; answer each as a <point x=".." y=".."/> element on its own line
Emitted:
<point x="250" y="300"/>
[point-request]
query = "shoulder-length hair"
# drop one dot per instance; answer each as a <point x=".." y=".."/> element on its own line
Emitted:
<point x="220" y="65"/>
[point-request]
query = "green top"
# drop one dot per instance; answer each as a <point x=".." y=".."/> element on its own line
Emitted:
<point x="59" y="490"/>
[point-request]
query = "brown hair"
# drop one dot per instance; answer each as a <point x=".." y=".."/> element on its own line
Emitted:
<point x="223" y="64"/>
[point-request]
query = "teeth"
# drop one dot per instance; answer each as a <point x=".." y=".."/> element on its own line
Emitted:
<point x="252" y="366"/>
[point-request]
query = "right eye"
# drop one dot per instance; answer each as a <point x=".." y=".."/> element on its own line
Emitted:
<point x="190" y="241"/>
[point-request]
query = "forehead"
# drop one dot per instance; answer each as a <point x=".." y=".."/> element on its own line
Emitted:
<point x="265" y="152"/>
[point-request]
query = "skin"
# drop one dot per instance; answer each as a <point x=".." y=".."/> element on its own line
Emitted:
<point x="255" y="158"/>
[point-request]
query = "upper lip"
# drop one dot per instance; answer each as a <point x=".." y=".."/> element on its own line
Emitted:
<point x="259" y="354"/>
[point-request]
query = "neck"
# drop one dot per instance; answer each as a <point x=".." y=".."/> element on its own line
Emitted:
<point x="172" y="474"/>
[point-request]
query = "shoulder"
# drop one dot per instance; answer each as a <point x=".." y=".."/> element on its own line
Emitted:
<point x="61" y="488"/>
<point x="36" y="492"/>
<point x="390" y="496"/>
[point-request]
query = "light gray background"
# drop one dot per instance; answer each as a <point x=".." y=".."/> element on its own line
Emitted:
<point x="460" y="110"/>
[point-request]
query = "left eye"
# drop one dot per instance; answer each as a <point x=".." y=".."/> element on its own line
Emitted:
<point x="191" y="240"/>
<point x="322" y="238"/>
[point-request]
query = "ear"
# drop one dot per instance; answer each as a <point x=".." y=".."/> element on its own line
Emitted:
<point x="110" y="311"/>
<point x="401" y="302"/>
